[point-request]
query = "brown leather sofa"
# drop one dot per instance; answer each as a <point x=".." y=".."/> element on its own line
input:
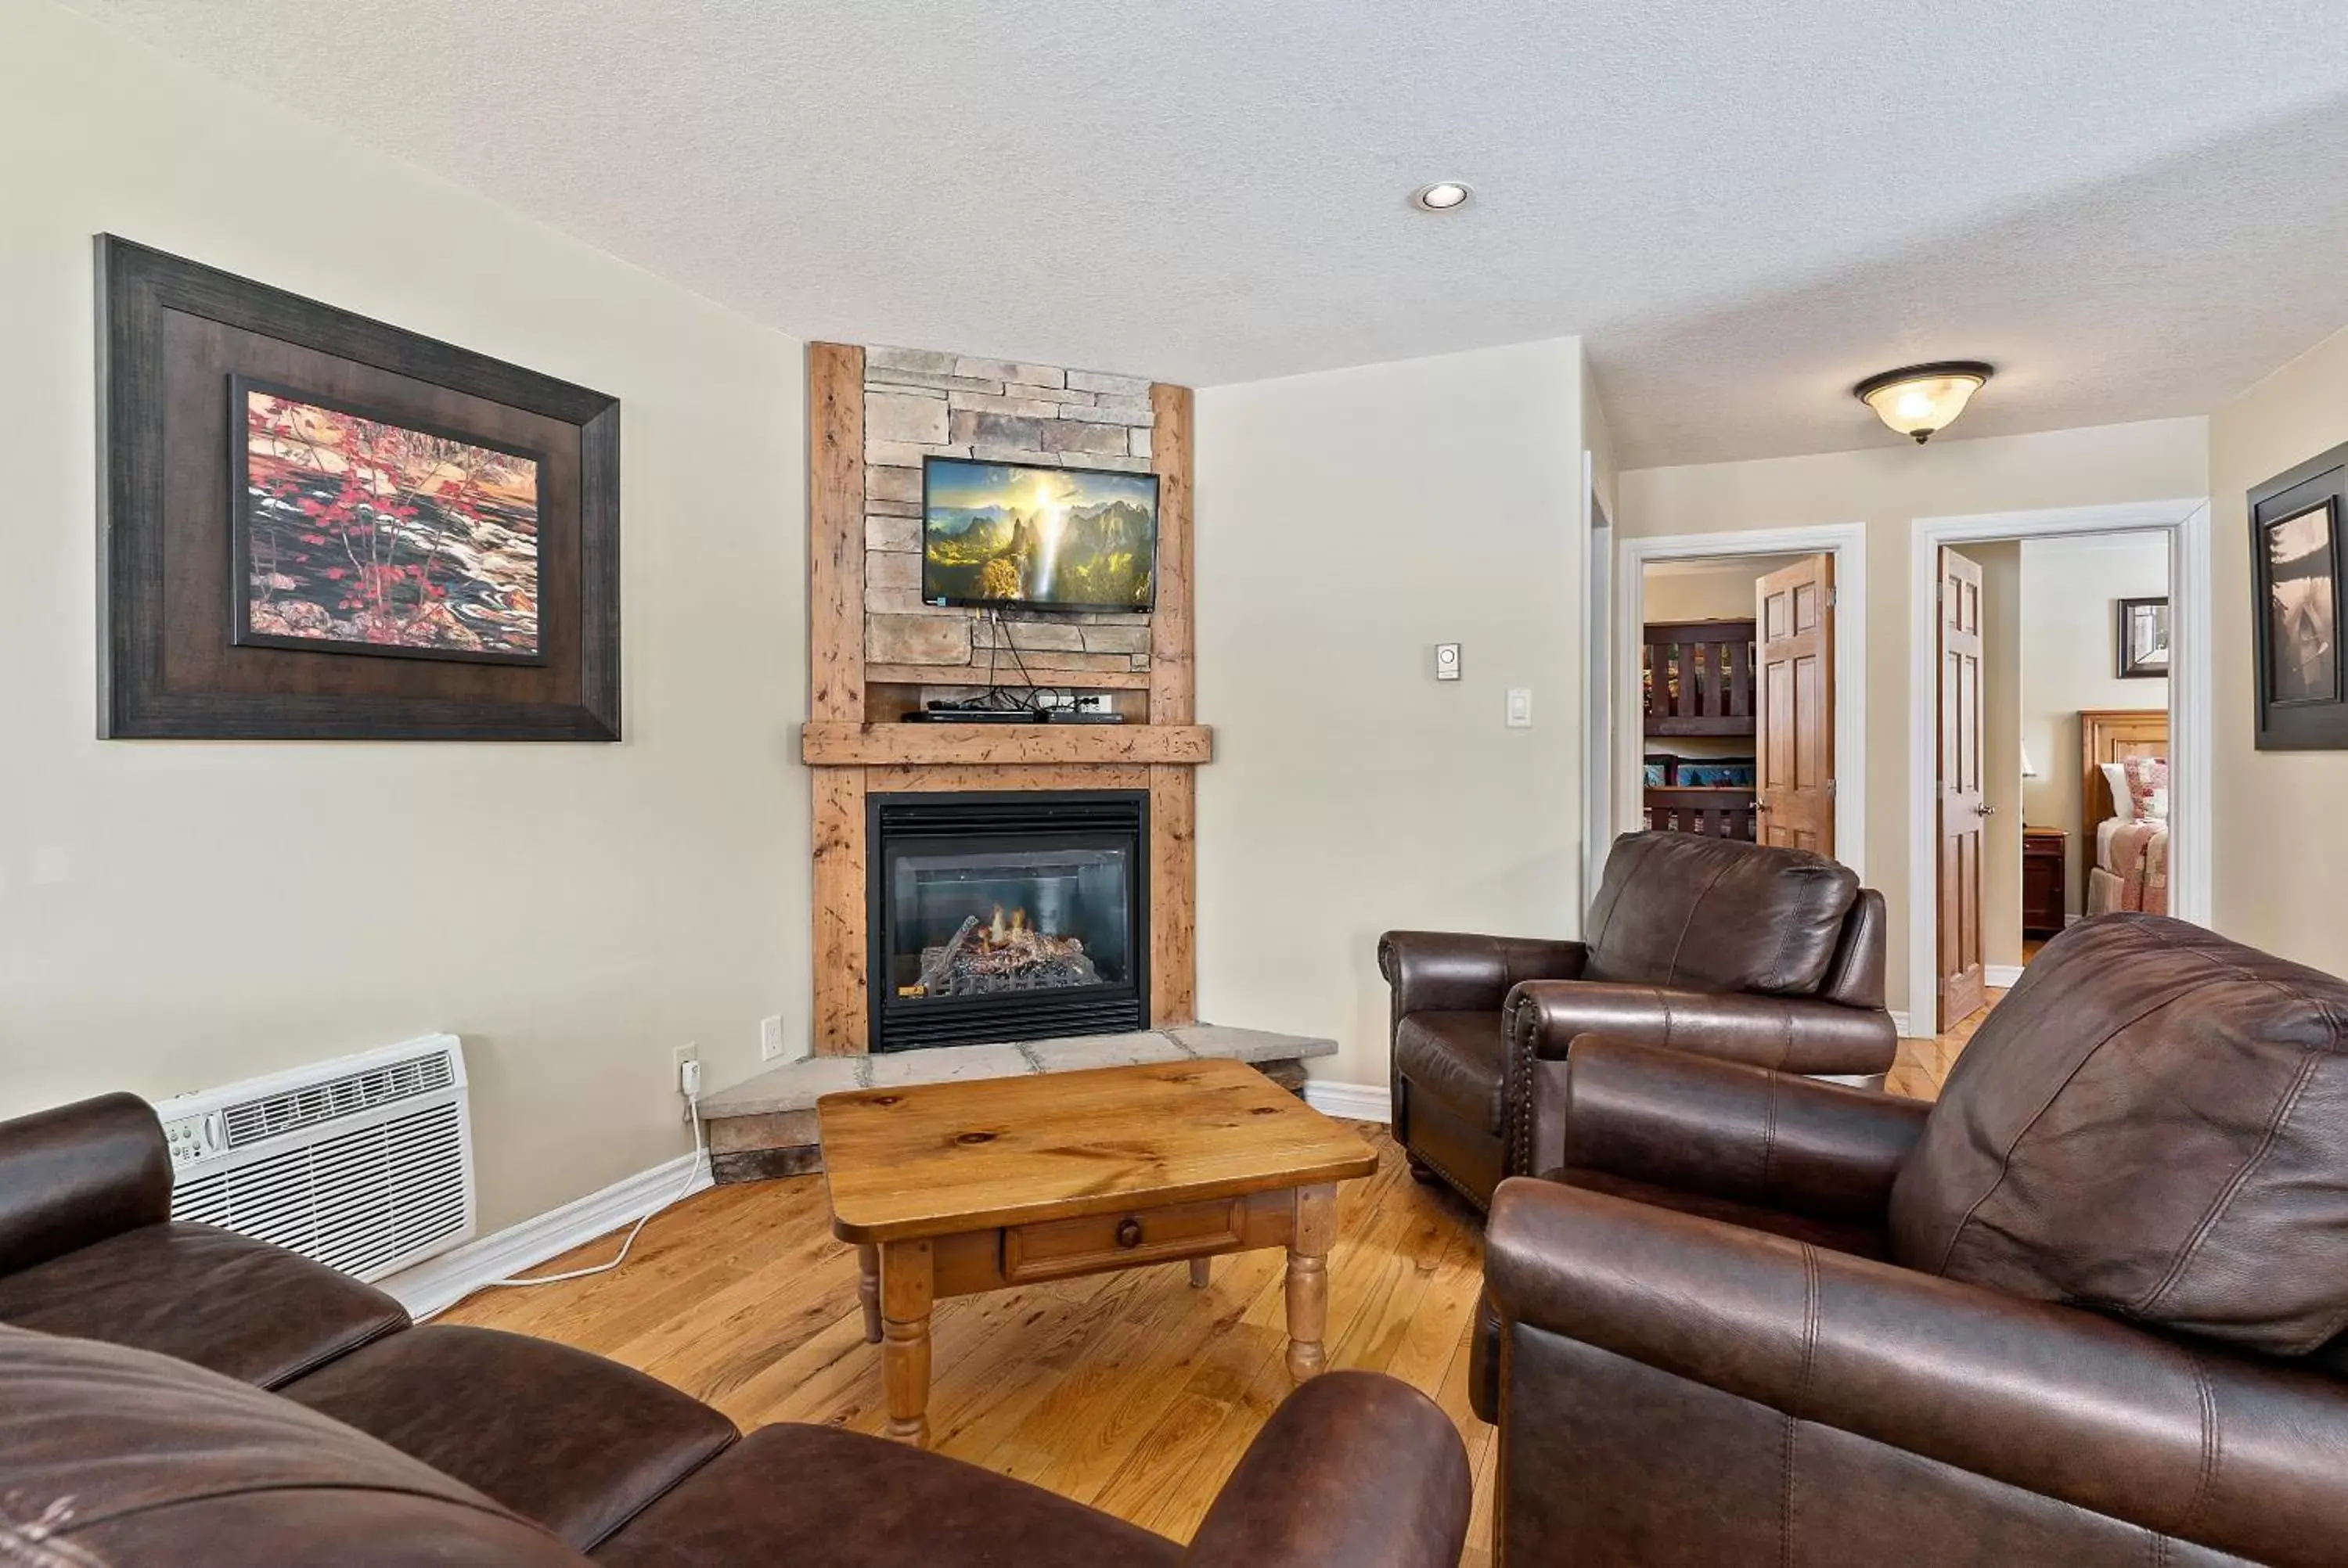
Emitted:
<point x="1737" y="951"/>
<point x="2087" y="1309"/>
<point x="175" y="1395"/>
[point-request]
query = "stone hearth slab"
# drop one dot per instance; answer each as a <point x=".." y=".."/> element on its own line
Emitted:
<point x="798" y="1085"/>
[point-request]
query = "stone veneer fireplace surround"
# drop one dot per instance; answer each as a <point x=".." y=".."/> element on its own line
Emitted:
<point x="874" y="655"/>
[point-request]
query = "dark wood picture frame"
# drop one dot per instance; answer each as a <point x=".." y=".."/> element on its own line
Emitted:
<point x="2309" y="713"/>
<point x="2125" y="666"/>
<point x="173" y="337"/>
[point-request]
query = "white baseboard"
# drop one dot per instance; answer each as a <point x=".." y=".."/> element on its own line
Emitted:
<point x="1899" y="1026"/>
<point x="2001" y="976"/>
<point x="439" y="1282"/>
<point x="1353" y="1102"/>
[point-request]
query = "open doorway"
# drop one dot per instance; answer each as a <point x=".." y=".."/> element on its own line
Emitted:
<point x="1741" y="687"/>
<point x="2058" y="707"/>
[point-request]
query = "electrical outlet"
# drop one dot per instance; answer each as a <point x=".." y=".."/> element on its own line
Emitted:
<point x="689" y="1052"/>
<point x="770" y="1038"/>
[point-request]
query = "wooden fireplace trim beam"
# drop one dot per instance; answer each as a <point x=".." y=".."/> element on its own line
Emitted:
<point x="836" y="532"/>
<point x="1003" y="746"/>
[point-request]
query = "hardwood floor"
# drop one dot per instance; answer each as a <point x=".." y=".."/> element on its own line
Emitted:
<point x="1923" y="1065"/>
<point x="1134" y="1391"/>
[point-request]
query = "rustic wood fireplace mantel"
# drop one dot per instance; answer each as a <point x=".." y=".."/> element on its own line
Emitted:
<point x="854" y="746"/>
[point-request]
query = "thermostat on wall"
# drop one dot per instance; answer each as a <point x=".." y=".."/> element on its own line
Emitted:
<point x="1446" y="661"/>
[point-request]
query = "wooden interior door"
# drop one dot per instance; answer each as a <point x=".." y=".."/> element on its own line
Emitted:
<point x="1963" y="812"/>
<point x="1794" y="768"/>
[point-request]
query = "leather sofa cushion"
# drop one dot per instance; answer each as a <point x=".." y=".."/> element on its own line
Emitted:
<point x="241" y="1307"/>
<point x="1454" y="1058"/>
<point x="2153" y="1123"/>
<point x="1716" y="914"/>
<point x="807" y="1494"/>
<point x="120" y="1456"/>
<point x="578" y="1443"/>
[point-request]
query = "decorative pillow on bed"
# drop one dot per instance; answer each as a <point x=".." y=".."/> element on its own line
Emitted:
<point x="2147" y="788"/>
<point x="2116" y="780"/>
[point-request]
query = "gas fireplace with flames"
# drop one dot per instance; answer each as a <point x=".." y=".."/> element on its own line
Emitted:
<point x="1006" y="916"/>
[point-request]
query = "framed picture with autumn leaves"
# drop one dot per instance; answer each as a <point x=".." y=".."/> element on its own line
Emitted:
<point x="319" y="527"/>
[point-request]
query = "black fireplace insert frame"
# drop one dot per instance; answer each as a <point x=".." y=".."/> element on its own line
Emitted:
<point x="979" y="820"/>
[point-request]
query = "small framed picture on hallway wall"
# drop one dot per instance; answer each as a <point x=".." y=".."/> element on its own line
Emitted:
<point x="2295" y="577"/>
<point x="2143" y="638"/>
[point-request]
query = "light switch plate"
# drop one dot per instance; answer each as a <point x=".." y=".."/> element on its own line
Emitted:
<point x="1520" y="707"/>
<point x="1446" y="661"/>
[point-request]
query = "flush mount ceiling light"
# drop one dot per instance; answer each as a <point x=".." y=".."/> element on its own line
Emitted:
<point x="1440" y="196"/>
<point x="1919" y="400"/>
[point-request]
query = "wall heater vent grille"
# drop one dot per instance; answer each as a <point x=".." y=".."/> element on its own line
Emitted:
<point x="364" y="1165"/>
<point x="267" y="1117"/>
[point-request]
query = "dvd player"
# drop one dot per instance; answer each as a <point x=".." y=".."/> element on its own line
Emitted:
<point x="1007" y="716"/>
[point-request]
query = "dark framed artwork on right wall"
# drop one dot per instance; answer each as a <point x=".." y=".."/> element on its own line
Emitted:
<point x="2302" y="685"/>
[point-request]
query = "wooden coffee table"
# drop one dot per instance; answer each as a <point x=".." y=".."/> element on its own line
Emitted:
<point x="949" y="1189"/>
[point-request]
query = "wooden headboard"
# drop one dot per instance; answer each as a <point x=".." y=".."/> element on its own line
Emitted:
<point x="2112" y="736"/>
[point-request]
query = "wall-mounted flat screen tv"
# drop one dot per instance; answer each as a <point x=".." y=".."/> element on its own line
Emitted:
<point x="1015" y="536"/>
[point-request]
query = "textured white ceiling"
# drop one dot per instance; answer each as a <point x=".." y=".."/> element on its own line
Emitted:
<point x="2134" y="207"/>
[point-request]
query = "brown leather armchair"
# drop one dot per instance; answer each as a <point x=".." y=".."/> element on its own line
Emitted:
<point x="1744" y="953"/>
<point x="2085" y="1310"/>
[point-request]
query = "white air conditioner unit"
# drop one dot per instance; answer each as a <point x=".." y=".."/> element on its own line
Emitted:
<point x="364" y="1163"/>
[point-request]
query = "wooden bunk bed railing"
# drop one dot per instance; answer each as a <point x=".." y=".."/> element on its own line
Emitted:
<point x="1714" y="813"/>
<point x="1699" y="678"/>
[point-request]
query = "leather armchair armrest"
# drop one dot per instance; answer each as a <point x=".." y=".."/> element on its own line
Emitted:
<point x="1727" y="1129"/>
<point x="1354" y="1468"/>
<point x="80" y="1174"/>
<point x="2235" y="1453"/>
<point x="1452" y="971"/>
<point x="1793" y="1034"/>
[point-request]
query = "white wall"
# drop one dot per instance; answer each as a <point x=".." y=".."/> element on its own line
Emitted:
<point x="2069" y="635"/>
<point x="1347" y="523"/>
<point x="1887" y="487"/>
<point x="176" y="914"/>
<point x="1712" y="587"/>
<point x="2281" y="852"/>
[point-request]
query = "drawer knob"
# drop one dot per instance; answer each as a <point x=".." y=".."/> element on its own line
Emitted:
<point x="1128" y="1232"/>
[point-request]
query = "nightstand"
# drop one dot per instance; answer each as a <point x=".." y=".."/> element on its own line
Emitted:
<point x="2046" y="880"/>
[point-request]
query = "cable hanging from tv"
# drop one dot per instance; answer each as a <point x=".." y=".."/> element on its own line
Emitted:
<point x="1038" y="539"/>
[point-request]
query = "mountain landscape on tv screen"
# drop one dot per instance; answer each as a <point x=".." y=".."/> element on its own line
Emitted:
<point x="1001" y="534"/>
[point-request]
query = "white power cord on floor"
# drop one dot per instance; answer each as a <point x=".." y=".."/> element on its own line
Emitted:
<point x="692" y="1174"/>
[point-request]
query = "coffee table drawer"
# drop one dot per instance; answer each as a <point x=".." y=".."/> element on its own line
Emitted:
<point x="1094" y="1242"/>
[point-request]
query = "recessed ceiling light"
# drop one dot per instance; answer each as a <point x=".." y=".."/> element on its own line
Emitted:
<point x="1441" y="196"/>
<point x="1918" y="400"/>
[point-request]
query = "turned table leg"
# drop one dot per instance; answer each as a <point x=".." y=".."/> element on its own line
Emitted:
<point x="1202" y="1273"/>
<point x="868" y="1290"/>
<point x="906" y="1290"/>
<point x="1308" y="1279"/>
